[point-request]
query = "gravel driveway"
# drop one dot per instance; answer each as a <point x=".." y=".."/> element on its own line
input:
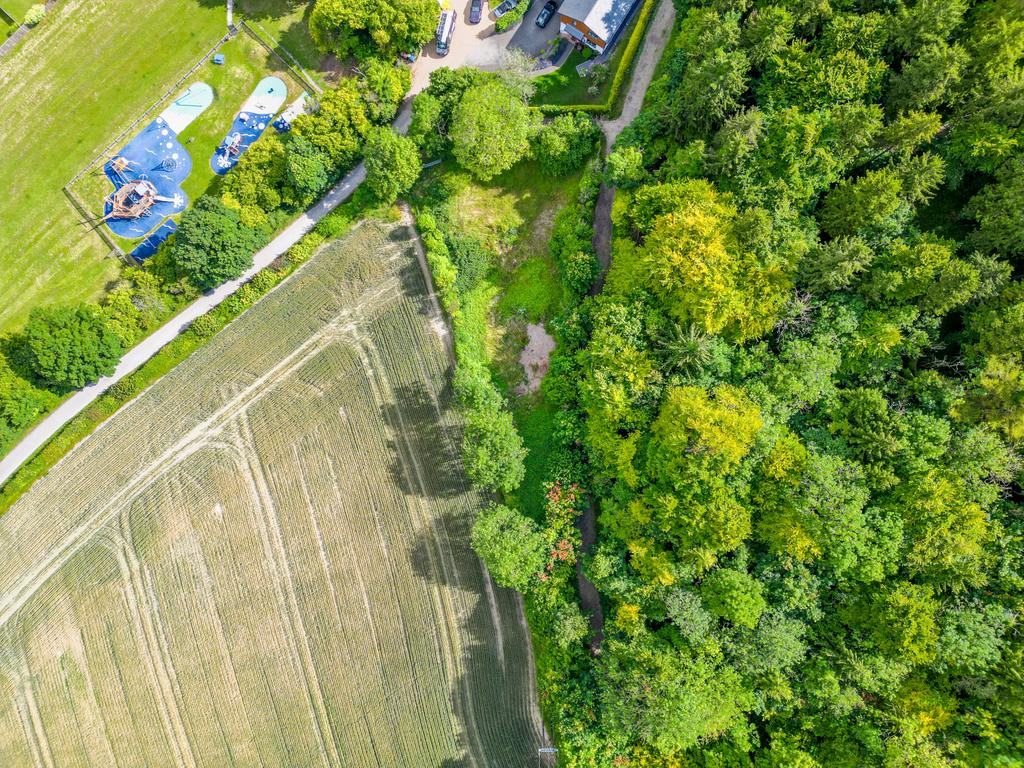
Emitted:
<point x="473" y="45"/>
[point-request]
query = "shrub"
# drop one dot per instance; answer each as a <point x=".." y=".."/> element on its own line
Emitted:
<point x="305" y="248"/>
<point x="471" y="261"/>
<point x="565" y="143"/>
<point x="35" y="14"/>
<point x="204" y="326"/>
<point x="511" y="18"/>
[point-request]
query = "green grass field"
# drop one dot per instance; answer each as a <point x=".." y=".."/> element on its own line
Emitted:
<point x="246" y="63"/>
<point x="73" y="85"/>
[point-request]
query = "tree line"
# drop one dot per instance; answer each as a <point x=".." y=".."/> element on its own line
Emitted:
<point x="798" y="404"/>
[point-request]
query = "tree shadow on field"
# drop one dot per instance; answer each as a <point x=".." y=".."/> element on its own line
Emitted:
<point x="493" y="697"/>
<point x="424" y="458"/>
<point x="410" y="275"/>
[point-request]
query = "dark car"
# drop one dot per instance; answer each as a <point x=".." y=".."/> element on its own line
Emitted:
<point x="475" y="11"/>
<point x="546" y="13"/>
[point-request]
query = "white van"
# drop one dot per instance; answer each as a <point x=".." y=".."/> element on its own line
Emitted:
<point x="445" y="31"/>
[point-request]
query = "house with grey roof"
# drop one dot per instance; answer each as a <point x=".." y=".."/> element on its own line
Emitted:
<point x="594" y="23"/>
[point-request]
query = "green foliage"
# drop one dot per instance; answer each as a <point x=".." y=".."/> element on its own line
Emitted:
<point x="338" y="125"/>
<point x="511" y="546"/>
<point x="35" y="14"/>
<point x="859" y="204"/>
<point x="698" y="258"/>
<point x="212" y="244"/>
<point x="384" y="87"/>
<point x="370" y="27"/>
<point x="308" y="169"/>
<point x="565" y="143"/>
<point x="492" y="129"/>
<point x="68" y="347"/>
<point x="734" y="596"/>
<point x="625" y="167"/>
<point x="798" y="402"/>
<point x="392" y="164"/>
<point x="492" y="450"/>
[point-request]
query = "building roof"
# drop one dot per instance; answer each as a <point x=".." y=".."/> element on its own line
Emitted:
<point x="602" y="17"/>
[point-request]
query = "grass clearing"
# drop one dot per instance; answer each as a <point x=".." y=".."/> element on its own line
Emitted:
<point x="513" y="215"/>
<point x="264" y="558"/>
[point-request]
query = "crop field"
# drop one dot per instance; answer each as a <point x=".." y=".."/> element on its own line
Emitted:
<point x="263" y="560"/>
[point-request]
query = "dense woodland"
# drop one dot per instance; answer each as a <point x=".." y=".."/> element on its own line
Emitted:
<point x="798" y="404"/>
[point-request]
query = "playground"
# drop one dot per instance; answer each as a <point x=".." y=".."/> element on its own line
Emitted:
<point x="256" y="114"/>
<point x="154" y="170"/>
<point x="69" y="102"/>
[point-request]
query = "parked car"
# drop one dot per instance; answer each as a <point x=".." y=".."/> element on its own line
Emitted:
<point x="546" y="13"/>
<point x="445" y="31"/>
<point x="504" y="8"/>
<point x="476" y="9"/>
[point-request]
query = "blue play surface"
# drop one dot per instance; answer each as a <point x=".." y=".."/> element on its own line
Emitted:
<point x="153" y="240"/>
<point x="256" y="114"/>
<point x="155" y="155"/>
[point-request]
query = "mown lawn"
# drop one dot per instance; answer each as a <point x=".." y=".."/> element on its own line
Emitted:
<point x="78" y="80"/>
<point x="286" y="24"/>
<point x="16" y="9"/>
<point x="564" y="86"/>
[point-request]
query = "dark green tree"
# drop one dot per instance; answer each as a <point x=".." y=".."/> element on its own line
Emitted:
<point x="392" y="164"/>
<point x="70" y="347"/>
<point x="212" y="244"/>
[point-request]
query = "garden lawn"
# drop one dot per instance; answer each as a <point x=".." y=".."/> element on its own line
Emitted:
<point x="17" y="9"/>
<point x="75" y="82"/>
<point x="564" y="86"/>
<point x="246" y="63"/>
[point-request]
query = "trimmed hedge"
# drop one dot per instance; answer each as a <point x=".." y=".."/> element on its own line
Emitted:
<point x="625" y="66"/>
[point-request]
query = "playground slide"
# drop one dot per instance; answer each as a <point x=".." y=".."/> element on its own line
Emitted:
<point x="256" y="113"/>
<point x="148" y="171"/>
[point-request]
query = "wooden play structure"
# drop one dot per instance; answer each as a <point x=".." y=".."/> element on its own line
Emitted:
<point x="133" y="197"/>
<point x="133" y="200"/>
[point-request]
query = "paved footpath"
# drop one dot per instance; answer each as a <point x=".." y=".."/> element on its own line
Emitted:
<point x="153" y="343"/>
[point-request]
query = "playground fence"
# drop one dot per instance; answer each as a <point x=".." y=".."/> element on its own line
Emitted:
<point x="104" y="154"/>
<point x="291" y="64"/>
<point x="147" y="114"/>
